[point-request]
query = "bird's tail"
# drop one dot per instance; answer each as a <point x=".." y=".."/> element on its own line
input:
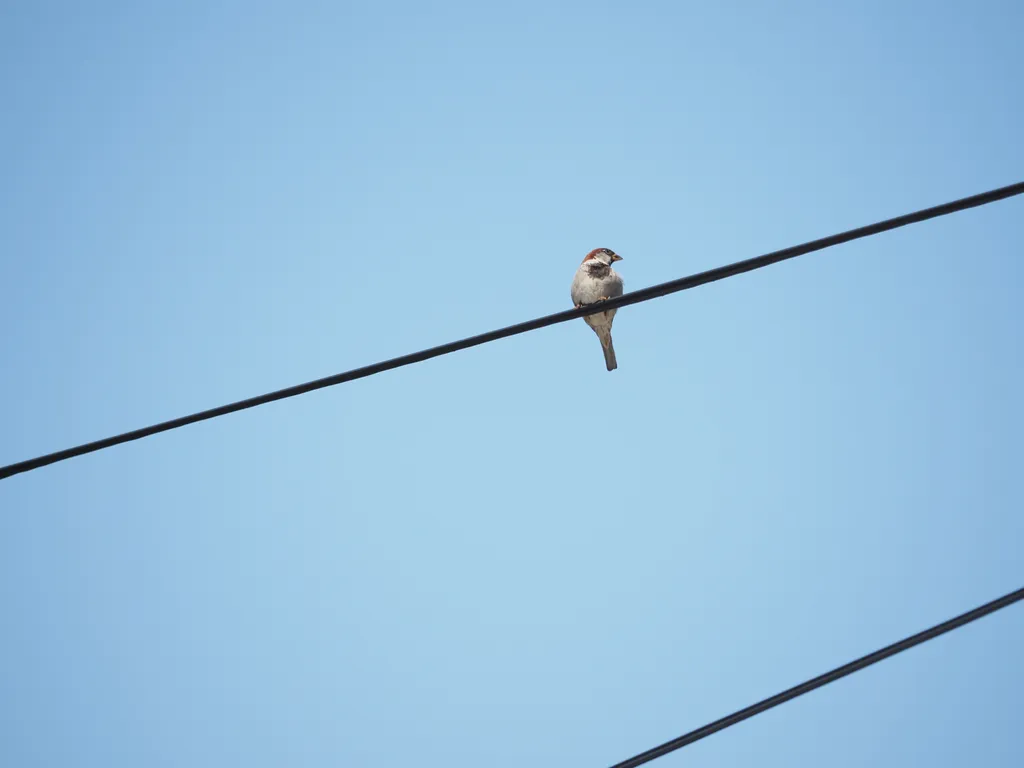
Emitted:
<point x="609" y="351"/>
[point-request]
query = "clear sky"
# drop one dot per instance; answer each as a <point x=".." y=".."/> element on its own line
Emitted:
<point x="507" y="556"/>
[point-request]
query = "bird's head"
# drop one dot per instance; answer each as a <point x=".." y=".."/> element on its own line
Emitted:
<point x="605" y="256"/>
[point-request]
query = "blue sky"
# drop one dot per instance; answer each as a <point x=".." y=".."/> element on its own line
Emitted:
<point x="507" y="555"/>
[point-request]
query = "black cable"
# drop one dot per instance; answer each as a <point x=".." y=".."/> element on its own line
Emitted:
<point x="645" y="294"/>
<point x="825" y="679"/>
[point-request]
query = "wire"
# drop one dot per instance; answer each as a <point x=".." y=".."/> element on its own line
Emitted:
<point x="645" y="294"/>
<point x="821" y="680"/>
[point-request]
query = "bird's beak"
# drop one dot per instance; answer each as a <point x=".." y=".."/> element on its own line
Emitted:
<point x="616" y="257"/>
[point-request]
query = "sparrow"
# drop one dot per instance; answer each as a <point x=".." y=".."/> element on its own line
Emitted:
<point x="595" y="281"/>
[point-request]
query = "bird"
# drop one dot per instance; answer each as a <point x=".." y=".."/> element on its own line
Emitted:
<point x="596" y="281"/>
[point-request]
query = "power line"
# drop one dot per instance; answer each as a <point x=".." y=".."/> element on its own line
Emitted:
<point x="645" y="294"/>
<point x="821" y="680"/>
